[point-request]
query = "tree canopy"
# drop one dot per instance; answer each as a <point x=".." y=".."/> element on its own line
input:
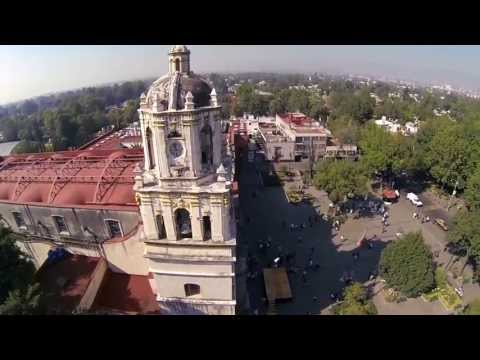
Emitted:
<point x="340" y="179"/>
<point x="69" y="119"/>
<point x="355" y="302"/>
<point x="19" y="294"/>
<point x="465" y="232"/>
<point x="407" y="265"/>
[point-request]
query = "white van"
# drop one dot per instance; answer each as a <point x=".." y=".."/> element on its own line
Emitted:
<point x="414" y="199"/>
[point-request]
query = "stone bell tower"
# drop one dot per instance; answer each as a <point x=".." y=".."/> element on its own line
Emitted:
<point x="184" y="194"/>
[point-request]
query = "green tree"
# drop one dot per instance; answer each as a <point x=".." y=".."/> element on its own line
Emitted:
<point x="446" y="155"/>
<point x="16" y="271"/>
<point x="465" y="232"/>
<point x="340" y="179"/>
<point x="23" y="302"/>
<point x="407" y="265"/>
<point x="355" y="302"/>
<point x="26" y="146"/>
<point x="345" y="129"/>
<point x="473" y="308"/>
<point x="377" y="149"/>
<point x="472" y="190"/>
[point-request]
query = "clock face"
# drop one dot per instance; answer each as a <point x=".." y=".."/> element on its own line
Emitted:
<point x="176" y="149"/>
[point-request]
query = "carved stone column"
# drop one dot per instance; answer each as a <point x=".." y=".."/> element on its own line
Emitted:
<point x="169" y="219"/>
<point x="161" y="149"/>
<point x="196" y="219"/>
<point x="216" y="219"/>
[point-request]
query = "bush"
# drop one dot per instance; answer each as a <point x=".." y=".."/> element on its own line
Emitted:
<point x="407" y="266"/>
<point x="355" y="302"/>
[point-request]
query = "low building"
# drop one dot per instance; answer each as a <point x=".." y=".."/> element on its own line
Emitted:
<point x="295" y="136"/>
<point x="336" y="150"/>
<point x="308" y="136"/>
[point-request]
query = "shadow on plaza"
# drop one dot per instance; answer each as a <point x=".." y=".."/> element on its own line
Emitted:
<point x="263" y="209"/>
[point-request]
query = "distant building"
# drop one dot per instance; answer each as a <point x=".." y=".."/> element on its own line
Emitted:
<point x="295" y="136"/>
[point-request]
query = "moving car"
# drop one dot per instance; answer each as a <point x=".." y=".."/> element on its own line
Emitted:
<point x="414" y="199"/>
<point x="442" y="224"/>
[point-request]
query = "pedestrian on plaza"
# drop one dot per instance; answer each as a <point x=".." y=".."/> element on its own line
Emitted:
<point x="304" y="276"/>
<point x="310" y="263"/>
<point x="315" y="299"/>
<point x="299" y="239"/>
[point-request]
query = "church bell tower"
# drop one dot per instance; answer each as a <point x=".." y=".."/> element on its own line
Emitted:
<point x="184" y="194"/>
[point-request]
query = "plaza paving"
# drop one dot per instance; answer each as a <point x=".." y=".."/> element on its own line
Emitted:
<point x="261" y="219"/>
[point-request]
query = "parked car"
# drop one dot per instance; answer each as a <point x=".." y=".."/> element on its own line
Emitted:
<point x="442" y="224"/>
<point x="413" y="198"/>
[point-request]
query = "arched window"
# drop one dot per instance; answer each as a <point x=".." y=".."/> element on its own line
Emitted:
<point x="162" y="233"/>
<point x="207" y="228"/>
<point x="206" y="145"/>
<point x="151" y="158"/>
<point x="177" y="64"/>
<point x="183" y="224"/>
<point x="191" y="289"/>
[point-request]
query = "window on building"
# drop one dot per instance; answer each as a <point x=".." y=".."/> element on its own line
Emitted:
<point x="60" y="224"/>
<point x="151" y="156"/>
<point x="162" y="233"/>
<point x="207" y="228"/>
<point x="18" y="217"/>
<point x="192" y="289"/>
<point x="114" y="228"/>
<point x="177" y="64"/>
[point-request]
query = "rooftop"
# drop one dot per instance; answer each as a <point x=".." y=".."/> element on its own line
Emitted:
<point x="301" y="123"/>
<point x="82" y="177"/>
<point x="66" y="281"/>
<point x="125" y="294"/>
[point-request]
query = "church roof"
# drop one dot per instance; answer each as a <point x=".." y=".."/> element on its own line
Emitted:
<point x="91" y="178"/>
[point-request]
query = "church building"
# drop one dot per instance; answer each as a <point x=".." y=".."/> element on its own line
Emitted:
<point x="184" y="193"/>
<point x="164" y="214"/>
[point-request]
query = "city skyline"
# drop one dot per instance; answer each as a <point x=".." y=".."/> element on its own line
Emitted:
<point x="30" y="71"/>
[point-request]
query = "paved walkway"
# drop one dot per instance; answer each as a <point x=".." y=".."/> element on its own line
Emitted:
<point x="261" y="220"/>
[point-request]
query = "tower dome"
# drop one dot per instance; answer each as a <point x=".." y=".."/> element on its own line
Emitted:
<point x="169" y="92"/>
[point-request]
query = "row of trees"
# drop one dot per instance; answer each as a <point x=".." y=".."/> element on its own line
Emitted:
<point x="71" y="119"/>
<point x="248" y="100"/>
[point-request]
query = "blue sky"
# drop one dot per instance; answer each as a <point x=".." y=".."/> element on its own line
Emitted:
<point x="27" y="71"/>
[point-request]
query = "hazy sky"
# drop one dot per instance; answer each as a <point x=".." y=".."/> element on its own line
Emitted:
<point x="27" y="71"/>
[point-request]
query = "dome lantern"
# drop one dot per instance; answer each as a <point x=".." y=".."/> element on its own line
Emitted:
<point x="179" y="60"/>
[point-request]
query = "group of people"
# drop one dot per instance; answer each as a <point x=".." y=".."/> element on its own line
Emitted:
<point x="423" y="219"/>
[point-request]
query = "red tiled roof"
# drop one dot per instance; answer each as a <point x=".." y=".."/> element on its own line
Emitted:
<point x="125" y="293"/>
<point x="66" y="281"/>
